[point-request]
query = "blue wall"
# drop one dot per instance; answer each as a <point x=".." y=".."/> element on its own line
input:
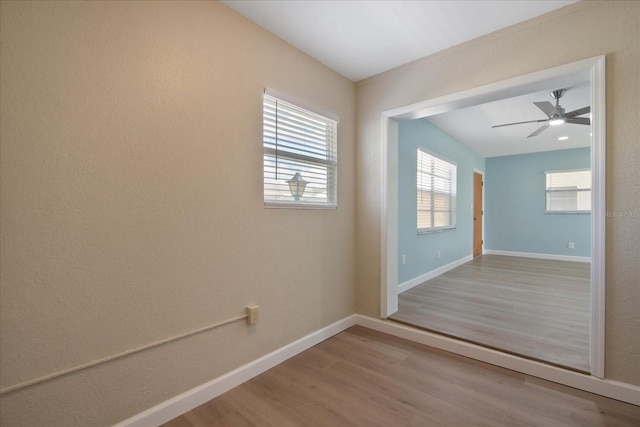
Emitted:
<point x="514" y="194"/>
<point x="422" y="250"/>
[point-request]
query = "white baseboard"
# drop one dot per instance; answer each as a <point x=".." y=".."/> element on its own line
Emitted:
<point x="405" y="286"/>
<point x="190" y="399"/>
<point x="609" y="388"/>
<point x="539" y="256"/>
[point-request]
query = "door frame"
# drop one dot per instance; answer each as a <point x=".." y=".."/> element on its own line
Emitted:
<point x="592" y="69"/>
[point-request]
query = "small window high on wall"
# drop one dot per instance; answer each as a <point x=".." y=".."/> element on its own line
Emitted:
<point x="436" y="193"/>
<point x="568" y="191"/>
<point x="300" y="157"/>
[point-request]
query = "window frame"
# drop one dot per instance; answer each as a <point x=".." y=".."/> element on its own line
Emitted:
<point x="452" y="194"/>
<point x="293" y="153"/>
<point x="559" y="189"/>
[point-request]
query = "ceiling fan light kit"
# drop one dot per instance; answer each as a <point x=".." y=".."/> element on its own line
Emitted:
<point x="555" y="114"/>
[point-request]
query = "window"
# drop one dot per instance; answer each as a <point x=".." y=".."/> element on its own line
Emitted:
<point x="436" y="182"/>
<point x="568" y="191"/>
<point x="300" y="156"/>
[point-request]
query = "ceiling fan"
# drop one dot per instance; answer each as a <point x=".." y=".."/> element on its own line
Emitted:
<point x="555" y="115"/>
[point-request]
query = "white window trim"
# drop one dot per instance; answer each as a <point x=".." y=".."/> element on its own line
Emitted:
<point x="576" y="211"/>
<point x="332" y="200"/>
<point x="454" y="213"/>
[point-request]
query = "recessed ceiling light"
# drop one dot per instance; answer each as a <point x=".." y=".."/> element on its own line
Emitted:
<point x="563" y="138"/>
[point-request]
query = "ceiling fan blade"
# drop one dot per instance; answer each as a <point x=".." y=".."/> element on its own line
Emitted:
<point x="546" y="107"/>
<point x="578" y="112"/>
<point x="539" y="130"/>
<point x="519" y="123"/>
<point x="579" y="120"/>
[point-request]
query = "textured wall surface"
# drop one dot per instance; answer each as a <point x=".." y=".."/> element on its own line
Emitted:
<point x="131" y="204"/>
<point x="579" y="31"/>
<point x="421" y="250"/>
<point x="131" y="191"/>
<point x="515" y="202"/>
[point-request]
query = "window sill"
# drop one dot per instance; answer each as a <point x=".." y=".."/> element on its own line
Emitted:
<point x="567" y="212"/>
<point x="435" y="230"/>
<point x="299" y="205"/>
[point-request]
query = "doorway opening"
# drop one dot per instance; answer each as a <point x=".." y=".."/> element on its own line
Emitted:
<point x="591" y="70"/>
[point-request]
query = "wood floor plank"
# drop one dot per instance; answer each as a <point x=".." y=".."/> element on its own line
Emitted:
<point x="404" y="392"/>
<point x="363" y="378"/>
<point x="531" y="307"/>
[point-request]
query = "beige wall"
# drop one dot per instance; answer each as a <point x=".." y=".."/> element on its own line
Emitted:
<point x="580" y="31"/>
<point x="131" y="205"/>
<point x="131" y="197"/>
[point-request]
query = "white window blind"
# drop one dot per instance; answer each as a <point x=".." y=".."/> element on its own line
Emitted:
<point x="437" y="186"/>
<point x="568" y="191"/>
<point x="297" y="141"/>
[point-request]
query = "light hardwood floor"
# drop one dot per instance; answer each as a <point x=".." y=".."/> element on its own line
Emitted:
<point x="365" y="378"/>
<point x="536" y="308"/>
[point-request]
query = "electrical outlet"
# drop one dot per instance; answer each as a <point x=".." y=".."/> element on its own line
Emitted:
<point x="438" y="253"/>
<point x="252" y="314"/>
<point x="571" y="245"/>
<point x="404" y="259"/>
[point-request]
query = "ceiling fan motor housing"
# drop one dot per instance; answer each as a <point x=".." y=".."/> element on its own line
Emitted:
<point x="558" y="114"/>
<point x="557" y="117"/>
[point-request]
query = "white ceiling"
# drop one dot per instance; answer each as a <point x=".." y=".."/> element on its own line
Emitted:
<point x="362" y="38"/>
<point x="472" y="125"/>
